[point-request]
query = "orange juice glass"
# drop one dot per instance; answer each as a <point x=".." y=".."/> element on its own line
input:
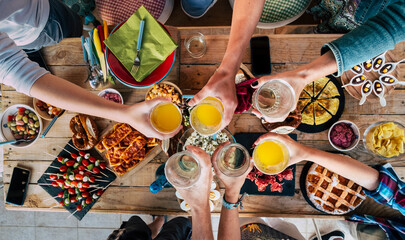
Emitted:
<point x="271" y="157"/>
<point x="166" y="117"/>
<point x="206" y="117"/>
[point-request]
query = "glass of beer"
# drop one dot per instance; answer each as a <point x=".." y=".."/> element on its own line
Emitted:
<point x="274" y="99"/>
<point x="233" y="160"/>
<point x="182" y="170"/>
<point x="206" y="116"/>
<point x="165" y="117"/>
<point x="271" y="157"/>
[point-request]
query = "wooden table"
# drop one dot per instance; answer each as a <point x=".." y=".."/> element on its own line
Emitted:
<point x="130" y="194"/>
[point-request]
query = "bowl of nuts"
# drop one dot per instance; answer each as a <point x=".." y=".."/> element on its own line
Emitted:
<point x="165" y="89"/>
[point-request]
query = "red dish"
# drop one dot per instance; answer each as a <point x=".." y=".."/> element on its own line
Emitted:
<point x="123" y="75"/>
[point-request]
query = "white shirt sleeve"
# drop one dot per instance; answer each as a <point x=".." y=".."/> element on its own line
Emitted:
<point x="16" y="70"/>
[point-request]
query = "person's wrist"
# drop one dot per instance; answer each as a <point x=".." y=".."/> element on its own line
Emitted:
<point x="231" y="196"/>
<point x="200" y="207"/>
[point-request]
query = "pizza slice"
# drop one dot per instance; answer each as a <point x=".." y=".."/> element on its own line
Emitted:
<point x="331" y="105"/>
<point x="152" y="142"/>
<point x="133" y="149"/>
<point x="308" y="114"/>
<point x="308" y="91"/>
<point x="302" y="103"/>
<point x="329" y="91"/>
<point x="320" y="84"/>
<point x="116" y="136"/>
<point x="321" y="115"/>
<point x="130" y="138"/>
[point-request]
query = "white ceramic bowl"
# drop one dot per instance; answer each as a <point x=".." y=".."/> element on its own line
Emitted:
<point x="110" y="90"/>
<point x="368" y="135"/>
<point x="356" y="133"/>
<point x="6" y="133"/>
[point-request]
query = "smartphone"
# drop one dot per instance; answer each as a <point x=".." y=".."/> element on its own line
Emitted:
<point x="18" y="186"/>
<point x="260" y="54"/>
<point x="38" y="58"/>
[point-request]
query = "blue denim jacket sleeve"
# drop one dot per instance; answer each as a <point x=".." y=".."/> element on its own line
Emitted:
<point x="376" y="35"/>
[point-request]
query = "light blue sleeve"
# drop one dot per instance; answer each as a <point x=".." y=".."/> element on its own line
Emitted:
<point x="16" y="70"/>
<point x="375" y="36"/>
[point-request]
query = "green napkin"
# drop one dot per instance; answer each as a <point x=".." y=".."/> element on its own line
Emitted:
<point x="157" y="45"/>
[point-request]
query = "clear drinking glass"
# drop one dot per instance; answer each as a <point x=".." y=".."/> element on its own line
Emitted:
<point x="206" y="116"/>
<point x="182" y="170"/>
<point x="233" y="160"/>
<point x="196" y="45"/>
<point x="274" y="99"/>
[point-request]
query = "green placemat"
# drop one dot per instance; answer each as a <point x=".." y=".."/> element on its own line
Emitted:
<point x="157" y="45"/>
<point x="280" y="10"/>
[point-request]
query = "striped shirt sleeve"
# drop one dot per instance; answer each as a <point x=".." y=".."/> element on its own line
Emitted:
<point x="391" y="190"/>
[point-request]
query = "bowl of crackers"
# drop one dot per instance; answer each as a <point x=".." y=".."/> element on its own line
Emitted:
<point x="165" y="89"/>
<point x="385" y="139"/>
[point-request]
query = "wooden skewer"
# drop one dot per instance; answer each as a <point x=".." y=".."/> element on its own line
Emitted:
<point x="63" y="149"/>
<point x="102" y="180"/>
<point x="72" y="214"/>
<point x="102" y="173"/>
<point x="46" y="184"/>
<point x="97" y="176"/>
<point x="54" y="206"/>
<point x="73" y="147"/>
<point x="54" y="167"/>
<point x="51" y="155"/>
<point x="50" y="198"/>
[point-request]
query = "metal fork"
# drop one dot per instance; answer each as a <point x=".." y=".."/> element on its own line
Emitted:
<point x="137" y="61"/>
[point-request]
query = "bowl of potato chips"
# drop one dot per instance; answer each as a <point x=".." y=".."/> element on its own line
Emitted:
<point x="385" y="139"/>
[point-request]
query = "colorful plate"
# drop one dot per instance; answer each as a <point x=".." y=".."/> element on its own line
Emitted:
<point x="123" y="75"/>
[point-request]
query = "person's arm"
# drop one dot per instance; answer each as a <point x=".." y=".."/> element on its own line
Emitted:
<point x="197" y="197"/>
<point x="229" y="226"/>
<point x="345" y="166"/>
<point x="376" y="35"/>
<point x="246" y="15"/>
<point x="201" y="223"/>
<point x="17" y="71"/>
<point x="300" y="77"/>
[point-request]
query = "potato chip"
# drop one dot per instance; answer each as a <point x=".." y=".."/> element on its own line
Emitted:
<point x="388" y="140"/>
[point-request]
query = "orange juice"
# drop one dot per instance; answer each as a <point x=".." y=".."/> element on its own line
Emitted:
<point x="165" y="117"/>
<point x="206" y="117"/>
<point x="271" y="157"/>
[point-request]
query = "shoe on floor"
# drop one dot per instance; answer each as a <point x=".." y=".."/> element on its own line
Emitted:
<point x="330" y="236"/>
<point x="196" y="8"/>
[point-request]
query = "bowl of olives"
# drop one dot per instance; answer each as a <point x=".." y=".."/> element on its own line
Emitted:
<point x="20" y="122"/>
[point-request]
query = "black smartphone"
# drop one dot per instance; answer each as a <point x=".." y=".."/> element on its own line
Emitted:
<point x="38" y="58"/>
<point x="260" y="54"/>
<point x="18" y="186"/>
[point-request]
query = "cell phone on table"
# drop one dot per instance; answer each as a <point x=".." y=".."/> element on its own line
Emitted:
<point x="18" y="186"/>
<point x="38" y="58"/>
<point x="260" y="55"/>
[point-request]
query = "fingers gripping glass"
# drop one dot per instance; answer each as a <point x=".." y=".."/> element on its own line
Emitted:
<point x="182" y="170"/>
<point x="233" y="160"/>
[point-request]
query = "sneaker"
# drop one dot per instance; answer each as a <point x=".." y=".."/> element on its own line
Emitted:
<point x="331" y="236"/>
<point x="196" y="8"/>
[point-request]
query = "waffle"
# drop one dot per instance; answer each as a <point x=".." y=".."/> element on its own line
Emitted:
<point x="332" y="193"/>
